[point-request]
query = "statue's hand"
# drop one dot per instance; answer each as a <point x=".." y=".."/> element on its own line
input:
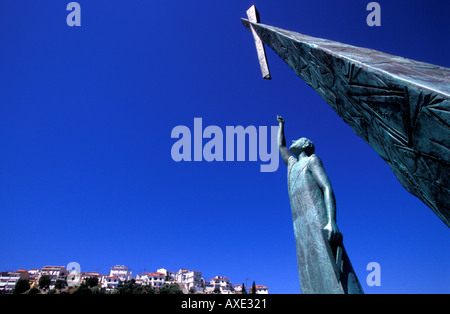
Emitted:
<point x="332" y="231"/>
<point x="280" y="119"/>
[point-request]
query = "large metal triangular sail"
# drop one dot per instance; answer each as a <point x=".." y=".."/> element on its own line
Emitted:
<point x="400" y="107"/>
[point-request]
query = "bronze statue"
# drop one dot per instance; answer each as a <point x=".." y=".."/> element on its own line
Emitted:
<point x="323" y="264"/>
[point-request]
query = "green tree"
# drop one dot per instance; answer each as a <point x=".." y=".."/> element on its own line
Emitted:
<point x="34" y="290"/>
<point x="216" y="290"/>
<point x="60" y="284"/>
<point x="148" y="289"/>
<point x="83" y="289"/>
<point x="243" y="289"/>
<point x="44" y="282"/>
<point x="97" y="290"/>
<point x="253" y="288"/>
<point x="92" y="282"/>
<point x="129" y="287"/>
<point x="21" y="286"/>
<point x="172" y="288"/>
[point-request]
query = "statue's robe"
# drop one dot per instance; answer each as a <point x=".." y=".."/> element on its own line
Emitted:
<point x="316" y="258"/>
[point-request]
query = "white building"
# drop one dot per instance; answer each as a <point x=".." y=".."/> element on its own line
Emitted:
<point x="142" y="279"/>
<point x="237" y="289"/>
<point x="8" y="280"/>
<point x="194" y="281"/>
<point x="155" y="280"/>
<point x="220" y="282"/>
<point x="260" y="289"/>
<point x="190" y="280"/>
<point x="55" y="273"/>
<point x="92" y="274"/>
<point x="121" y="272"/>
<point x="34" y="274"/>
<point x="181" y="275"/>
<point x="109" y="283"/>
<point x="169" y="275"/>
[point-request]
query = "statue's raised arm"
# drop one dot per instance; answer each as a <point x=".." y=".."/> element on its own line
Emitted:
<point x="284" y="151"/>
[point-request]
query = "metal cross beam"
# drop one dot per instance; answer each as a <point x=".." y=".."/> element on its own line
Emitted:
<point x="253" y="16"/>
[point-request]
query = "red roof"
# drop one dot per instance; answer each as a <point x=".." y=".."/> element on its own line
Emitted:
<point x="152" y="274"/>
<point x="21" y="271"/>
<point x="221" y="278"/>
<point x="112" y="277"/>
<point x="259" y="287"/>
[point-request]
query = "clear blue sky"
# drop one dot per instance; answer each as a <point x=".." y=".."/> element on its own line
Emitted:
<point x="87" y="113"/>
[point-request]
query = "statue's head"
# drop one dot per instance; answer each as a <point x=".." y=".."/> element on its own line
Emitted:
<point x="302" y="145"/>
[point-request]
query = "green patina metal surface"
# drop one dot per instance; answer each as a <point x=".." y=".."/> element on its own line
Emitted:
<point x="400" y="107"/>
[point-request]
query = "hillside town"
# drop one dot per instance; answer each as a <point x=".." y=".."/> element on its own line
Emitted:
<point x="58" y="279"/>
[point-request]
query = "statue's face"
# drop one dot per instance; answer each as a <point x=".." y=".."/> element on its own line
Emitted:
<point x="299" y="145"/>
